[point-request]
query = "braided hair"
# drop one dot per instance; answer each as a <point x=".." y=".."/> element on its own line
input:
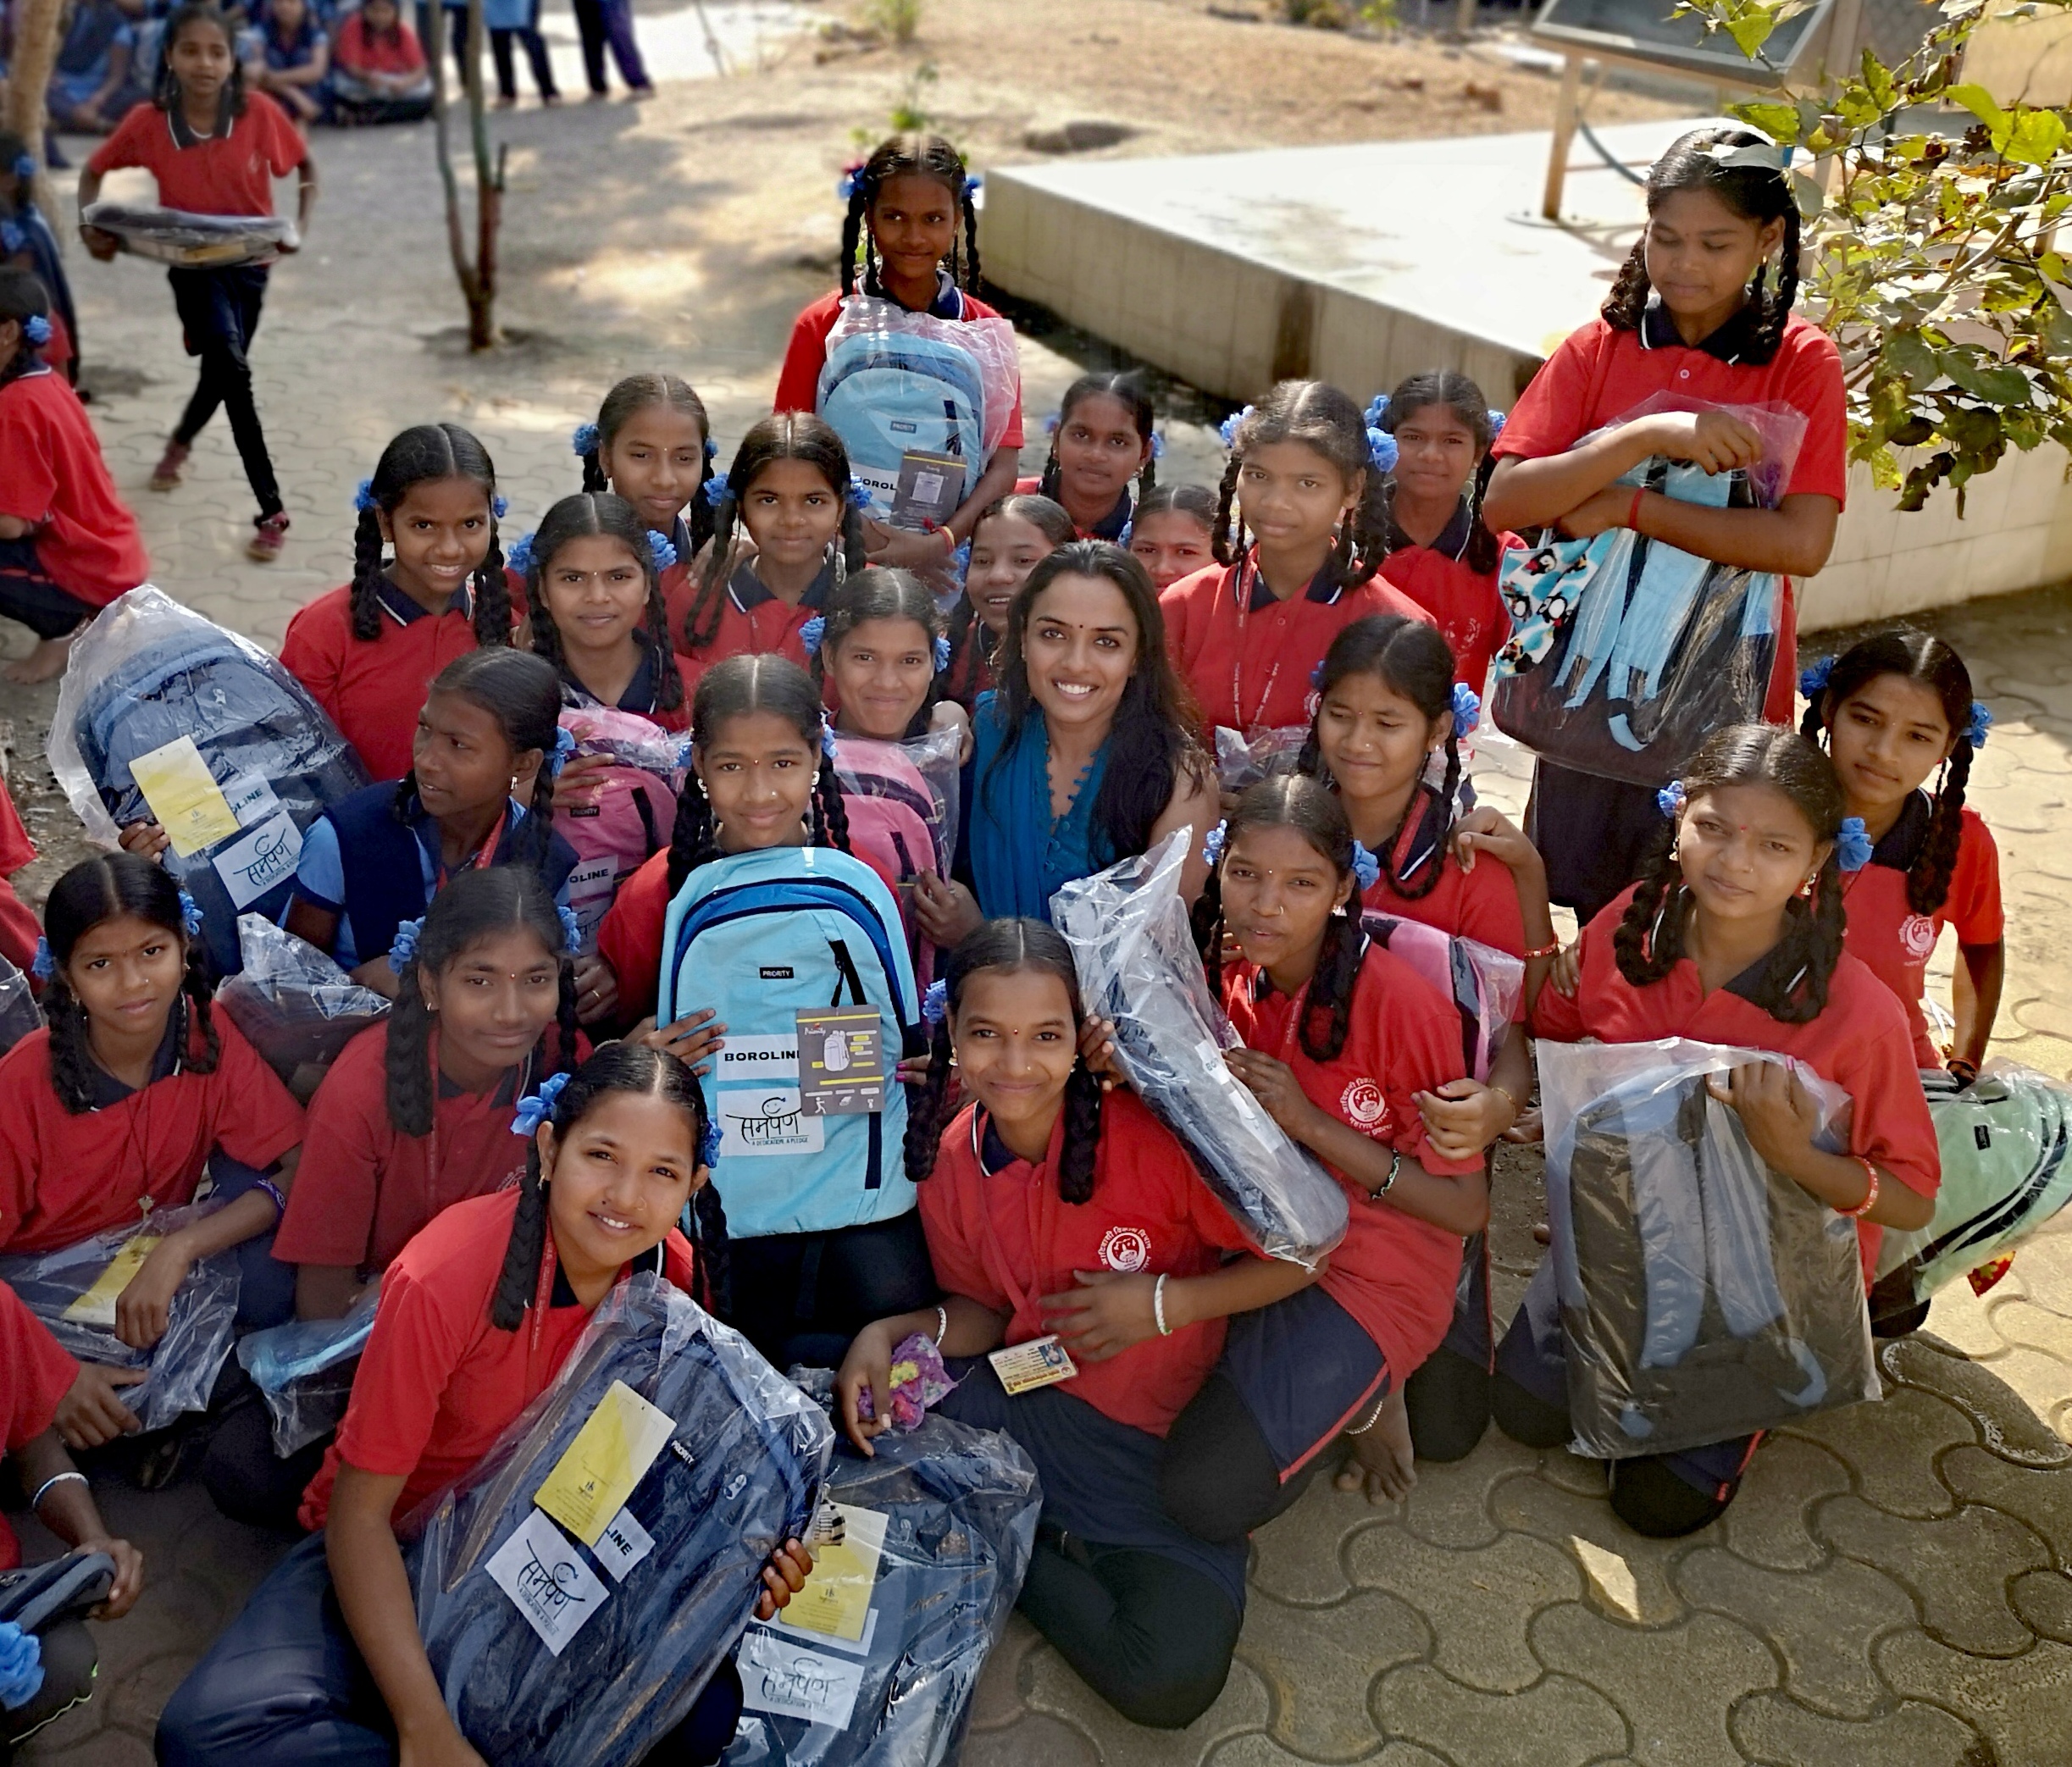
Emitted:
<point x="1413" y="662"/>
<point x="523" y="693"/>
<point x="642" y="392"/>
<point x="784" y="436"/>
<point x="22" y="298"/>
<point x="880" y="593"/>
<point x="731" y="689"/>
<point x="1006" y="946"/>
<point x="475" y="907"/>
<point x="903" y="156"/>
<point x="1153" y="724"/>
<point x="1758" y="193"/>
<point x="617" y="1067"/>
<point x="1457" y="394"/>
<point x="1128" y="390"/>
<point x="104" y="888"/>
<point x="165" y="90"/>
<point x="971" y="643"/>
<point x="600" y="513"/>
<point x="1649" y="942"/>
<point x="1914" y="657"/>
<point x="1330" y="424"/>
<point x="420" y="455"/>
<point x="1294" y="801"/>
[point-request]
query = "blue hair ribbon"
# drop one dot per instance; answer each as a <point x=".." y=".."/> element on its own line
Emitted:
<point x="564" y="746"/>
<point x="586" y="440"/>
<point x="827" y="741"/>
<point x="535" y="1108"/>
<point x="1051" y="423"/>
<point x="1366" y="868"/>
<point x="935" y="1003"/>
<point x="1122" y="539"/>
<point x="1813" y="679"/>
<point x="941" y="653"/>
<point x="661" y="549"/>
<point x="571" y="930"/>
<point x="964" y="558"/>
<point x="1377" y="411"/>
<point x="1212" y="843"/>
<point x="404" y="946"/>
<point x="1229" y="427"/>
<point x="1381" y="450"/>
<point x="519" y="557"/>
<point x="44" y="965"/>
<point x="712" y="449"/>
<point x="500" y="506"/>
<point x="363" y="499"/>
<point x="1981" y="721"/>
<point x="708" y="1145"/>
<point x="811" y="633"/>
<point x="972" y="185"/>
<point x="1497" y="421"/>
<point x="845" y="186"/>
<point x="716" y="490"/>
<point x="190" y="915"/>
<point x="1852" y="844"/>
<point x="25" y="165"/>
<point x="1467" y="708"/>
<point x="1670" y="800"/>
<point x="1158" y="445"/>
<point x="36" y="328"/>
<point x="21" y="1666"/>
<point x="1317" y="673"/>
<point x="11" y="237"/>
<point x="859" y="495"/>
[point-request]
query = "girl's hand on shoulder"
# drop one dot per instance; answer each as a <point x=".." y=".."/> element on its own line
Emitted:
<point x="1601" y="510"/>
<point x="783" y="1578"/>
<point x="948" y="714"/>
<point x="1565" y="973"/>
<point x="147" y="840"/>
<point x="1777" y="1113"/>
<point x="128" y="1583"/>
<point x="1464" y="1118"/>
<point x="1105" y="1314"/>
<point x="91" y="1413"/>
<point x="146" y="1302"/>
<point x="596" y="989"/>
<point x="1487" y="829"/>
<point x="947" y="912"/>
<point x="693" y="1040"/>
<point x="1274" y="1084"/>
<point x="868" y="1365"/>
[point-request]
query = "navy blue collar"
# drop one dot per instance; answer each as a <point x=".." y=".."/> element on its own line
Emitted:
<point x="640" y="691"/>
<point x="1324" y="589"/>
<point x="107" y="1090"/>
<point x="406" y="611"/>
<point x="1452" y="539"/>
<point x="1900" y="844"/>
<point x="748" y="591"/>
<point x="1728" y="343"/>
<point x="948" y="304"/>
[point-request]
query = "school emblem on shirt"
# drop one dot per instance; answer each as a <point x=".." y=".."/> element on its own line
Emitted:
<point x="1125" y="1249"/>
<point x="1364" y="1106"/>
<point x="1917" y="937"/>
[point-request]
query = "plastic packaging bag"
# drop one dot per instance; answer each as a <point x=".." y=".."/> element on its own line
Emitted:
<point x="1625" y="652"/>
<point x="192" y="241"/>
<point x="148" y="673"/>
<point x="1703" y="1296"/>
<point x="295" y="1006"/>
<point x="1241" y="761"/>
<point x="921" y="773"/>
<point x="627" y="739"/>
<point x="19" y="1014"/>
<point x="304" y="1370"/>
<point x="643" y="1619"/>
<point x="959" y="1507"/>
<point x="2003" y="1140"/>
<point x="1138" y="968"/>
<point x="1484" y="984"/>
<point x="72" y="1291"/>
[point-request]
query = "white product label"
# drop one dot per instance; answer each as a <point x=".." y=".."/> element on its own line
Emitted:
<point x="623" y="1544"/>
<point x="761" y="1113"/>
<point x="252" y="866"/>
<point x="544" y="1574"/>
<point x="788" y="1681"/>
<point x="251" y="800"/>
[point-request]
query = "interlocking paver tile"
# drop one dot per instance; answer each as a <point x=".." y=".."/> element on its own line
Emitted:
<point x="1450" y="1504"/>
<point x="1053" y="1688"/>
<point x="2006" y="1424"/>
<point x="1891" y="1447"/>
<point x="1555" y="1723"/>
<point x="2044" y="1598"/>
<point x="1957" y="1566"/>
<point x="1319" y="1666"/>
<point x="1625" y="1573"/>
<point x="997" y="1701"/>
<point x="1822" y="1622"/>
<point x="1477" y="1605"/>
<point x="1673" y="1686"/>
<point x="2041" y="1498"/>
<point x="2017" y="1704"/>
<point x="1770" y="1523"/>
<point x="1298" y="1557"/>
<point x="1774" y="1731"/>
<point x="1037" y="1741"/>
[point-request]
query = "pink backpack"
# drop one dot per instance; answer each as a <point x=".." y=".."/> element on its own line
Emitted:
<point x="897" y="821"/>
<point x="1483" y="984"/>
<point x="629" y="818"/>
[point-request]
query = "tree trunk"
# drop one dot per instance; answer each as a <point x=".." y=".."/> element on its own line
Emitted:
<point x="35" y="53"/>
<point x="477" y="278"/>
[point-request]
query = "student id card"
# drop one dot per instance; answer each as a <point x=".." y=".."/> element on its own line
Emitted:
<point x="96" y="1306"/>
<point x="1040" y="1362"/>
<point x="610" y="1455"/>
<point x="184" y="796"/>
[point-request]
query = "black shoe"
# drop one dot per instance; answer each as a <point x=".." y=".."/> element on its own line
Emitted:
<point x="1652" y="1500"/>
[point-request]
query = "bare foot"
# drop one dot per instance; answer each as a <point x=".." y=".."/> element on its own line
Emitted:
<point x="46" y="663"/>
<point x="1383" y="1462"/>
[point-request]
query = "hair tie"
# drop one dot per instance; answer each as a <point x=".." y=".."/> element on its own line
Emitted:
<point x="25" y="165"/>
<point x="827" y="741"/>
<point x="1381" y="450"/>
<point x="683" y="754"/>
<point x="716" y="490"/>
<point x="519" y="557"/>
<point x="500" y="506"/>
<point x="1122" y="539"/>
<point x="190" y="915"/>
<point x="44" y="965"/>
<point x="586" y="440"/>
<point x="1316" y="674"/>
<point x="36" y="328"/>
<point x="941" y="653"/>
<point x="564" y="746"/>
<point x="1230" y="426"/>
<point x="403" y="948"/>
<point x="1670" y="800"/>
<point x="363" y="499"/>
<point x="852" y="176"/>
<point x="972" y="185"/>
<point x="708" y="1145"/>
<point x="964" y="558"/>
<point x="534" y="1109"/>
<point x="1158" y="445"/>
<point x="12" y="238"/>
<point x="1813" y="679"/>
<point x="1212" y="843"/>
<point x="661" y="550"/>
<point x="1981" y="721"/>
<point x="712" y="449"/>
<point x="571" y="931"/>
<point x="859" y="495"/>
<point x="811" y="633"/>
<point x="1051" y="423"/>
<point x="1467" y="708"/>
<point x="1852" y="844"/>
<point x="1377" y="411"/>
<point x="935" y="1003"/>
<point x="1496" y="424"/>
<point x="1366" y="868"/>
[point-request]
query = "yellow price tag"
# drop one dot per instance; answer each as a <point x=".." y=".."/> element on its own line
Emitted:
<point x="836" y="1600"/>
<point x="96" y="1306"/>
<point x="184" y="796"/>
<point x="610" y="1455"/>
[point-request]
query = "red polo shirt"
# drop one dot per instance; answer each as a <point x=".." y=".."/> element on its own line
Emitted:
<point x="1005" y="1239"/>
<point x="1861" y="1043"/>
<point x="1463" y="602"/>
<point x="35" y="1375"/>
<point x="438" y="1383"/>
<point x="1597" y="375"/>
<point x="1482" y="904"/>
<point x="752" y="622"/>
<point x="1394" y="1274"/>
<point x="52" y="477"/>
<point x="1248" y="660"/>
<point x="229" y="173"/>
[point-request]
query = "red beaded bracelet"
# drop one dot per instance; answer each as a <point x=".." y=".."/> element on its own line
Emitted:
<point x="1544" y="951"/>
<point x="1632" y="514"/>
<point x="1870" y="1196"/>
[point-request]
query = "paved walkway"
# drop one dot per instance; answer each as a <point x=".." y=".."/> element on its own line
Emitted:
<point x="1894" y="1585"/>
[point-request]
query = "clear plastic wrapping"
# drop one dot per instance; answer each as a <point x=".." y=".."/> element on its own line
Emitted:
<point x="640" y="1629"/>
<point x="626" y="813"/>
<point x="1484" y="984"/>
<point x="1703" y="1296"/>
<point x="920" y="772"/>
<point x="192" y="241"/>
<point x="72" y="1291"/>
<point x="1242" y="760"/>
<point x="960" y="1507"/>
<point x="148" y="672"/>
<point x="1625" y="652"/>
<point x="304" y="1370"/>
<point x="294" y="1006"/>
<point x="19" y="1014"/>
<point x="1137" y="966"/>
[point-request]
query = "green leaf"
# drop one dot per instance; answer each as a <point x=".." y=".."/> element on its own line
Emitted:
<point x="1979" y="103"/>
<point x="1779" y="122"/>
<point x="1885" y="469"/>
<point x="2034" y="136"/>
<point x="1750" y="31"/>
<point x="1995" y="387"/>
<point x="1908" y="352"/>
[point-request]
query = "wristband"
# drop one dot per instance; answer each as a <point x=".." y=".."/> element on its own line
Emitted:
<point x="1632" y="514"/>
<point x="942" y="1324"/>
<point x="1870" y="1196"/>
<point x="950" y="539"/>
<point x="43" y="1489"/>
<point x="1158" y="1307"/>
<point x="1544" y="951"/>
<point x="273" y="1190"/>
<point x="1396" y="1166"/>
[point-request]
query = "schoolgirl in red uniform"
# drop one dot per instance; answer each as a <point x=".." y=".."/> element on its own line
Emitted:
<point x="1734" y="936"/>
<point x="1102" y="439"/>
<point x="1172" y="532"/>
<point x="1342" y="1043"/>
<point x="1703" y="311"/>
<point x="476" y="1318"/>
<point x="908" y="203"/>
<point x="788" y="488"/>
<point x="368" y="651"/>
<point x="1050" y="1210"/>
<point x="1437" y="549"/>
<point x="1008" y="541"/>
<point x="652" y="444"/>
<point x="116" y="1104"/>
<point x="1297" y="568"/>
<point x="1897" y="712"/>
<point x="20" y="928"/>
<point x="879" y="654"/>
<point x="67" y="545"/>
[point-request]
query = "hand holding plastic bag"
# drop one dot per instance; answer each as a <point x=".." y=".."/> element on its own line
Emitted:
<point x="304" y="1370"/>
<point x="1138" y="968"/>
<point x="192" y="241"/>
<point x="295" y="1006"/>
<point x="1703" y="1296"/>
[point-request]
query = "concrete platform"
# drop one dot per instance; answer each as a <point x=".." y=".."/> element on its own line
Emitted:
<point x="1359" y="264"/>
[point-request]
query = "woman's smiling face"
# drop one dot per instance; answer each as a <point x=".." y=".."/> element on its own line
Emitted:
<point x="1080" y="650"/>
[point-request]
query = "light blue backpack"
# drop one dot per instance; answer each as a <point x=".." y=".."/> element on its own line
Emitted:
<point x="888" y="395"/>
<point x="760" y="937"/>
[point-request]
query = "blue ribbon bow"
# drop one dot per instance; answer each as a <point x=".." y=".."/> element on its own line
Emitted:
<point x="935" y="1003"/>
<point x="941" y="653"/>
<point x="1669" y="799"/>
<point x="519" y="557"/>
<point x="44" y="965"/>
<point x="1316" y="674"/>
<point x="564" y="746"/>
<point x="1230" y="426"/>
<point x="1051" y="423"/>
<point x="972" y="185"/>
<point x="661" y="549"/>
<point x="1212" y="843"/>
<point x="1852" y="844"/>
<point x="571" y="931"/>
<point x="586" y="440"/>
<point x="1981" y="721"/>
<point x="36" y="328"/>
<point x="708" y="1145"/>
<point x="1497" y="421"/>
<point x="716" y="490"/>
<point x="859" y="495"/>
<point x="811" y="633"/>
<point x="500" y="506"/>
<point x="1381" y="450"/>
<point x="1122" y="539"/>
<point x="190" y="915"/>
<point x="25" y="165"/>
<point x="827" y="741"/>
<point x="1813" y="679"/>
<point x="403" y="948"/>
<point x="1366" y="868"/>
<point x="845" y="186"/>
<point x="1377" y="411"/>
<point x="363" y="499"/>
<point x="1467" y="708"/>
<point x="1158" y="445"/>
<point x="534" y="1108"/>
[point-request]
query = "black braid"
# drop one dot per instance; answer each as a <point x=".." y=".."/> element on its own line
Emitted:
<point x="971" y="278"/>
<point x="23" y="298"/>
<point x="1928" y="881"/>
<point x="701" y="516"/>
<point x="1327" y="1016"/>
<point x="197" y="985"/>
<point x="1777" y="309"/>
<point x="411" y="1097"/>
<point x="668" y="678"/>
<point x="546" y="634"/>
<point x="1082" y="1149"/>
<point x="1435" y="865"/>
<point x="1047" y="485"/>
<point x="854" y="235"/>
<point x="924" y="1109"/>
<point x="566" y="1026"/>
<point x="1649" y="942"/>
<point x="594" y="479"/>
<point x="1793" y="989"/>
<point x="1628" y="299"/>
<point x="492" y="596"/>
<point x="519" y="1279"/>
<point x="72" y="1066"/>
<point x="366" y="577"/>
<point x="830" y="813"/>
<point x="693" y="839"/>
<point x="702" y="622"/>
<point x="708" y="1221"/>
<point x="1227" y="543"/>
